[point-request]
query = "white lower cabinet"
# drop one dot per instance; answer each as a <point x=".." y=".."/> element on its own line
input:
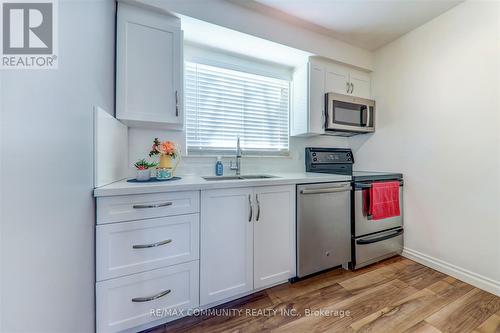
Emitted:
<point x="147" y="258"/>
<point x="247" y="240"/>
<point x="127" y="302"/>
<point x="274" y="235"/>
<point x="226" y="244"/>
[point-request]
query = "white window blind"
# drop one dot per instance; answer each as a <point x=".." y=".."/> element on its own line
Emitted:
<point x="222" y="104"/>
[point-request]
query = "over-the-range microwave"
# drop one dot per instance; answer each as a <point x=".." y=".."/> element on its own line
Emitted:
<point x="348" y="115"/>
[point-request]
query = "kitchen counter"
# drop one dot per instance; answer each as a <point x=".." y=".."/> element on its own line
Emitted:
<point x="192" y="182"/>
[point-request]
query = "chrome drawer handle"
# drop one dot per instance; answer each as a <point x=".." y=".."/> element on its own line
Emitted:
<point x="147" y="246"/>
<point x="165" y="204"/>
<point x="151" y="298"/>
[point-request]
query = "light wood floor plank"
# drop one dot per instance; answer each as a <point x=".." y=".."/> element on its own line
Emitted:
<point x="466" y="313"/>
<point x="491" y="325"/>
<point x="422" y="327"/>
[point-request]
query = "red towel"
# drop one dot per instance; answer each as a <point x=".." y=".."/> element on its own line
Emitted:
<point x="384" y="200"/>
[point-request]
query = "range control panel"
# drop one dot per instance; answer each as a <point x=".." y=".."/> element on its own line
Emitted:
<point x="329" y="160"/>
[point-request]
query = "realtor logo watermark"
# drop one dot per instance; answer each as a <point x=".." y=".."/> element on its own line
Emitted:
<point x="29" y="36"/>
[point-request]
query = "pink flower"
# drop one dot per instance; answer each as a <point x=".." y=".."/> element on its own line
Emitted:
<point x="167" y="148"/>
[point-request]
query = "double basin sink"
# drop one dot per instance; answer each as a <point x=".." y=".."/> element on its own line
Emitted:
<point x="242" y="177"/>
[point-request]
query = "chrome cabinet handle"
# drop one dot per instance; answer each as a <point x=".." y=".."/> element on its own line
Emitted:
<point x="251" y="208"/>
<point x="326" y="190"/>
<point x="352" y="87"/>
<point x="347" y="86"/>
<point x="258" y="207"/>
<point x="151" y="298"/>
<point x="147" y="246"/>
<point x="165" y="204"/>
<point x="176" y="104"/>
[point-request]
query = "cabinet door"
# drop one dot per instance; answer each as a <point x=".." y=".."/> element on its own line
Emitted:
<point x="361" y="84"/>
<point x="316" y="98"/>
<point x="274" y="235"/>
<point x="337" y="79"/>
<point x="226" y="244"/>
<point x="149" y="68"/>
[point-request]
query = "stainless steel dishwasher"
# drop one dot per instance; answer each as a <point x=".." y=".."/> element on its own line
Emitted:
<point x="323" y="227"/>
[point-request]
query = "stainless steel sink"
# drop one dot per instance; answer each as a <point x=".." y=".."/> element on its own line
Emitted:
<point x="242" y="177"/>
<point x="257" y="176"/>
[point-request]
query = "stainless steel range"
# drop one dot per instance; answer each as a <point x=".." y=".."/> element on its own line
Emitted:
<point x="371" y="240"/>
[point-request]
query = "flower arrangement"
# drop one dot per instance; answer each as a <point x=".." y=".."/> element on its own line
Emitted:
<point x="167" y="148"/>
<point x="142" y="164"/>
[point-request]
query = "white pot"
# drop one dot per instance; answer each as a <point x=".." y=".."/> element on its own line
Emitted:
<point x="143" y="175"/>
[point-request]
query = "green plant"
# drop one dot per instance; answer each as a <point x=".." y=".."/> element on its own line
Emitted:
<point x="142" y="164"/>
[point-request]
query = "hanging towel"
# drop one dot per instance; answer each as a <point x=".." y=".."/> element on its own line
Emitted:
<point x="384" y="200"/>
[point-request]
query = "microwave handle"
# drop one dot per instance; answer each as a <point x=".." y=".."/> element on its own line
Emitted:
<point x="368" y="116"/>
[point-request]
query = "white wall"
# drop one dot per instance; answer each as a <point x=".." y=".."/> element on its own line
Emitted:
<point x="47" y="245"/>
<point x="438" y="121"/>
<point x="243" y="19"/>
<point x="140" y="141"/>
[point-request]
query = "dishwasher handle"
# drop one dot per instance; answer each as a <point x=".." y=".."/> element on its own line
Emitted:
<point x="327" y="190"/>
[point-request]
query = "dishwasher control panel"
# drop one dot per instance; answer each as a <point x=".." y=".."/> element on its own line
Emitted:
<point x="329" y="160"/>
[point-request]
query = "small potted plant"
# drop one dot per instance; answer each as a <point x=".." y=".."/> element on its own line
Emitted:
<point x="142" y="167"/>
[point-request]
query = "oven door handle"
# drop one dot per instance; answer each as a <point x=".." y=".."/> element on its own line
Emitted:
<point x="369" y="185"/>
<point x="378" y="239"/>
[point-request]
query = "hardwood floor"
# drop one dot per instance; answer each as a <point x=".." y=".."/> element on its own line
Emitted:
<point x="396" y="295"/>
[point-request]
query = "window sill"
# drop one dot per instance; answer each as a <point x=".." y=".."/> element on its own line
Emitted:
<point x="287" y="156"/>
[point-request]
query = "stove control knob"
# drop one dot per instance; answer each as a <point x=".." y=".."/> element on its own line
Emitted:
<point x="315" y="159"/>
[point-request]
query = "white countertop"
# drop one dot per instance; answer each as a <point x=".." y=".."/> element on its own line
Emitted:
<point x="192" y="182"/>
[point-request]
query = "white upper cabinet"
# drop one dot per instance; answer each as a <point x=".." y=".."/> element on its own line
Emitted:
<point x="360" y="84"/>
<point x="308" y="101"/>
<point x="337" y="79"/>
<point x="310" y="84"/>
<point x="149" y="68"/>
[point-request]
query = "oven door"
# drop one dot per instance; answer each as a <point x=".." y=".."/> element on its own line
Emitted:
<point x="349" y="114"/>
<point x="363" y="225"/>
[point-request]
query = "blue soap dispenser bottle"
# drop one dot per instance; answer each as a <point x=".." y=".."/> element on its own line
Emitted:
<point x="219" y="168"/>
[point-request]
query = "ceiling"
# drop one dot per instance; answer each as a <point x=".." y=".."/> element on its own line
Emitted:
<point x="369" y="24"/>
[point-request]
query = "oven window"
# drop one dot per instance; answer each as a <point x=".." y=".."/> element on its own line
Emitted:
<point x="349" y="114"/>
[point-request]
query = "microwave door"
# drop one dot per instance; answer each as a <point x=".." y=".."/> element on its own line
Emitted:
<point x="348" y="115"/>
<point x="344" y="115"/>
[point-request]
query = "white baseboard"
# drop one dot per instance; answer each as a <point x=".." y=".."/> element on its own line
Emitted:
<point x="460" y="273"/>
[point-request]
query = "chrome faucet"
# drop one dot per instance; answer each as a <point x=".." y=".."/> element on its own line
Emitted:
<point x="237" y="167"/>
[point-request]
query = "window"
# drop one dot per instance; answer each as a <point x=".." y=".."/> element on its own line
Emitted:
<point x="222" y="104"/>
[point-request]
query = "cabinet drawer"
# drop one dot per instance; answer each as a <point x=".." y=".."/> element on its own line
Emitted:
<point x="138" y="246"/>
<point x="144" y="206"/>
<point x="128" y="301"/>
